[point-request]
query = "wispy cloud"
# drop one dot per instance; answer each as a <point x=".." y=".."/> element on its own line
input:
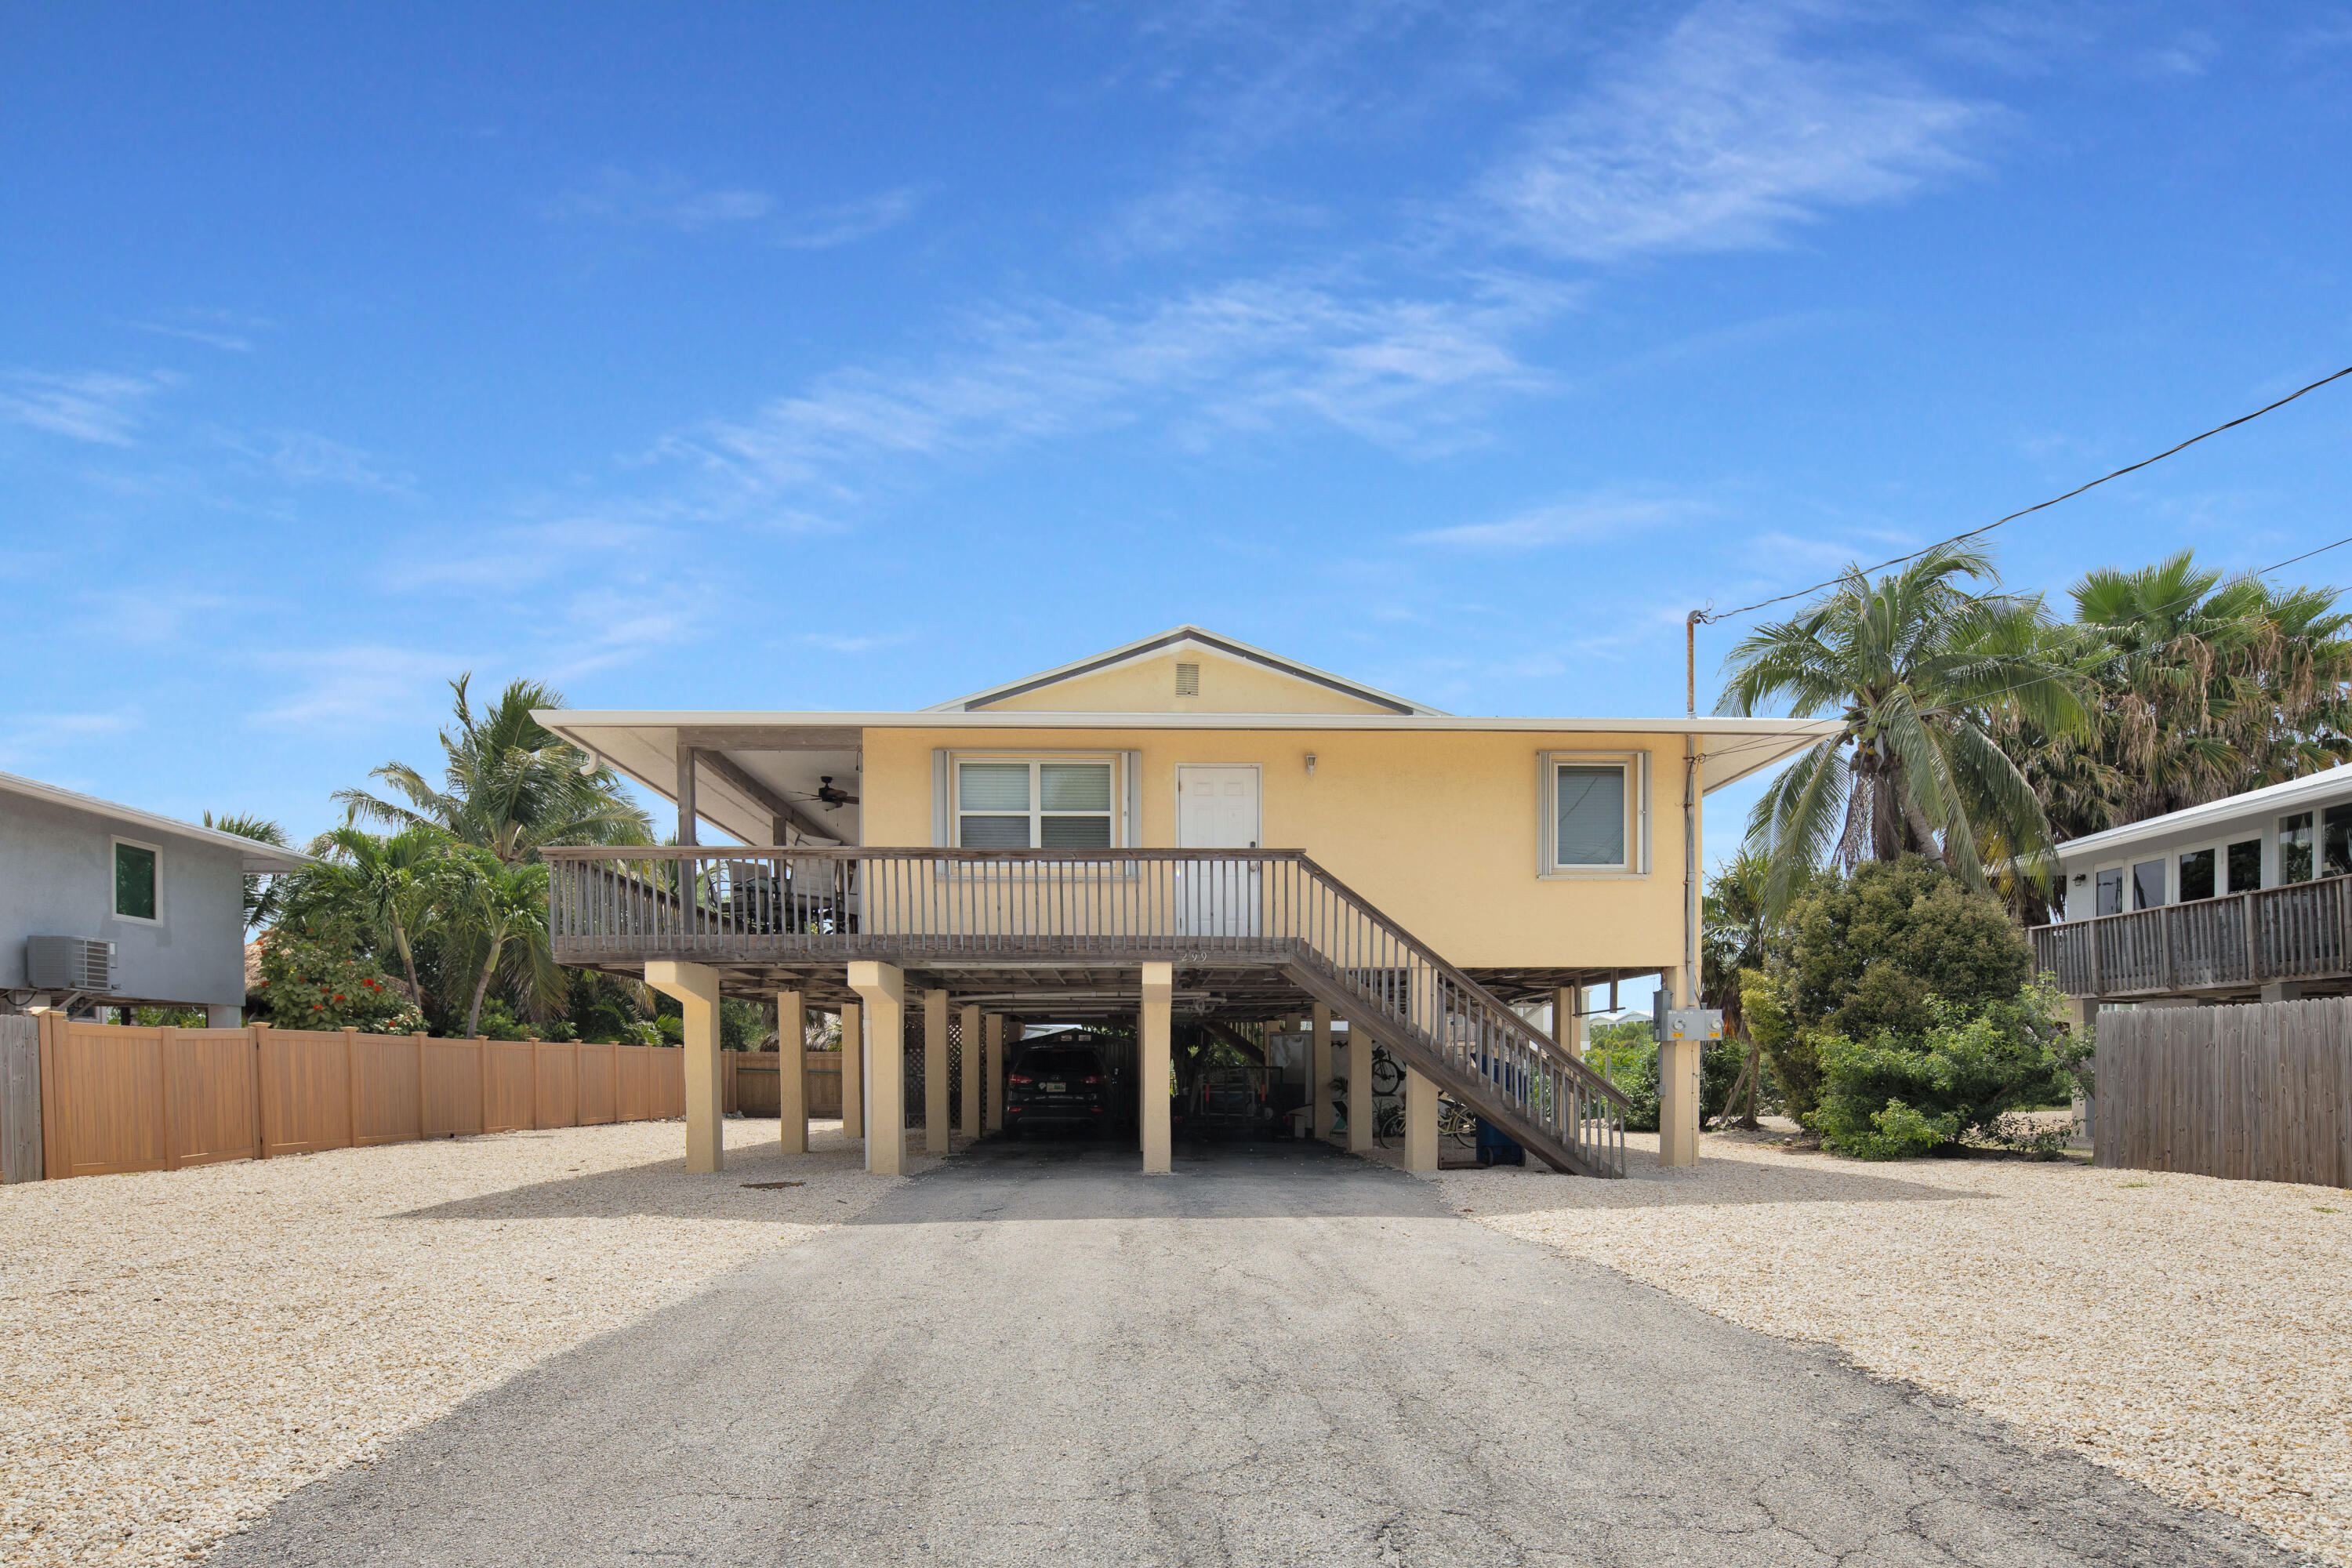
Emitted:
<point x="660" y="200"/>
<point x="825" y="227"/>
<point x="27" y="738"/>
<point x="674" y="202"/>
<point x="232" y="343"/>
<point x="1253" y="355"/>
<point x="355" y="687"/>
<point x="101" y="407"/>
<point x="1583" y="520"/>
<point x="300" y="457"/>
<point x="1722" y="136"/>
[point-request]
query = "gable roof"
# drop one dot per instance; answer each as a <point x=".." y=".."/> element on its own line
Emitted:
<point x="252" y="854"/>
<point x="1178" y="639"/>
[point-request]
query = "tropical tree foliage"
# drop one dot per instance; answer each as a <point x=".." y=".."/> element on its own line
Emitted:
<point x="509" y="784"/>
<point x="2196" y="686"/>
<point x="260" y="890"/>
<point x="1918" y="666"/>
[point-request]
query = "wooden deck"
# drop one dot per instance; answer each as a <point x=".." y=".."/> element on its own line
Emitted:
<point x="1252" y="934"/>
<point x="2234" y="945"/>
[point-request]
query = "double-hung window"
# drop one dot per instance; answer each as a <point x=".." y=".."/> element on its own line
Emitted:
<point x="1593" y="813"/>
<point x="1035" y="803"/>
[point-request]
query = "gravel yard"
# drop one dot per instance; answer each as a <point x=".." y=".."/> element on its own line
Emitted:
<point x="2192" y="1333"/>
<point x="179" y="1350"/>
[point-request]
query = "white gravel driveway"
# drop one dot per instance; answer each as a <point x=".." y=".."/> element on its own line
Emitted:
<point x="179" y="1350"/>
<point x="2192" y="1333"/>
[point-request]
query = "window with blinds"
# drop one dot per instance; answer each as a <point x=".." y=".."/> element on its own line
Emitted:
<point x="1592" y="813"/>
<point x="1038" y="803"/>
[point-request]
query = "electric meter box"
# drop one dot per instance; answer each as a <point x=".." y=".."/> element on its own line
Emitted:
<point x="1684" y="1023"/>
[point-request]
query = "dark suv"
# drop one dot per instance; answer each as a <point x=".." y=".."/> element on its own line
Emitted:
<point x="1057" y="1085"/>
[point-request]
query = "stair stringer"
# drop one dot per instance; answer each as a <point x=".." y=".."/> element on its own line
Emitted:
<point x="1408" y="1045"/>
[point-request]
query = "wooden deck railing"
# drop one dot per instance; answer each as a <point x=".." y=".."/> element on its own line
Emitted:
<point x="1100" y="908"/>
<point x="2295" y="932"/>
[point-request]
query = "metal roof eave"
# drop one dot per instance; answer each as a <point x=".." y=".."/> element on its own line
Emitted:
<point x="2271" y="797"/>
<point x="1755" y="744"/>
<point x="260" y="859"/>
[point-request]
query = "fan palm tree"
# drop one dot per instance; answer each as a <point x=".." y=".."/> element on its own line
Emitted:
<point x="1918" y="666"/>
<point x="2202" y="687"/>
<point x="509" y="784"/>
<point x="262" y="895"/>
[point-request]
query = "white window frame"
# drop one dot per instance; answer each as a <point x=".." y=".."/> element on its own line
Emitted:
<point x="1118" y="801"/>
<point x="1637" y="816"/>
<point x="113" y="858"/>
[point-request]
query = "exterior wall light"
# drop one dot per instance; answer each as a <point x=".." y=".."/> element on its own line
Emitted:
<point x="1310" y="764"/>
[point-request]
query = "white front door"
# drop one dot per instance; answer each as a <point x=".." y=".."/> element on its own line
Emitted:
<point x="1217" y="809"/>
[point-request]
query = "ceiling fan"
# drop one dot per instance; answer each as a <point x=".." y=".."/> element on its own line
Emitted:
<point x="832" y="796"/>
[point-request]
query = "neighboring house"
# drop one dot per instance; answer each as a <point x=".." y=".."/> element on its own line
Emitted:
<point x="1183" y="827"/>
<point x="2242" y="898"/>
<point x="105" y="905"/>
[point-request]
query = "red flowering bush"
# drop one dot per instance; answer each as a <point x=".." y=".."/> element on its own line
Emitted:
<point x="317" y="975"/>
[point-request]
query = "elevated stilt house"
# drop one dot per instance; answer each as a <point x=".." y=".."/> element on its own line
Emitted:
<point x="1183" y="828"/>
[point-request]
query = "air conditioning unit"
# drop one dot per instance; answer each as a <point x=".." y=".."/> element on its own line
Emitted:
<point x="70" y="963"/>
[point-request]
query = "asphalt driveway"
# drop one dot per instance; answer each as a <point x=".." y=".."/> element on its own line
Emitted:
<point x="1031" y="1355"/>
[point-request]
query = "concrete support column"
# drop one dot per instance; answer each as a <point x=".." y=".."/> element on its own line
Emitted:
<point x="1567" y="1020"/>
<point x="2283" y="991"/>
<point x="791" y="1072"/>
<point x="696" y="988"/>
<point x="992" y="1067"/>
<point x="1420" y="1122"/>
<point x="1362" y="1114"/>
<point x="1318" y="1074"/>
<point x="1678" y="1084"/>
<point x="968" y="1077"/>
<point x="883" y="989"/>
<point x="935" y="1072"/>
<point x="1151" y="1065"/>
<point x="852" y="1070"/>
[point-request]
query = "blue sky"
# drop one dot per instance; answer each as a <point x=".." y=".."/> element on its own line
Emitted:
<point x="859" y="356"/>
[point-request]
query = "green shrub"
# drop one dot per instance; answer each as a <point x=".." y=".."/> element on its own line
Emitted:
<point x="1964" y="1073"/>
<point x="318" y="974"/>
<point x="1632" y="1067"/>
<point x="1867" y="952"/>
<point x="1897" y="1132"/>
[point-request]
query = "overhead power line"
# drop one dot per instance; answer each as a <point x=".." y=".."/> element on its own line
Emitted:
<point x="2151" y="649"/>
<point x="1703" y="616"/>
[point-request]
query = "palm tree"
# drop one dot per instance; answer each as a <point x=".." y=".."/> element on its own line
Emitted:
<point x="262" y="895"/>
<point x="2202" y="687"/>
<point x="1918" y="666"/>
<point x="509" y="784"/>
<point x="399" y="884"/>
<point x="500" y="914"/>
<point x="1737" y="928"/>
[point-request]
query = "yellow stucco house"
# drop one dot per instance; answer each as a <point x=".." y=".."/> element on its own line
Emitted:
<point x="1185" y="827"/>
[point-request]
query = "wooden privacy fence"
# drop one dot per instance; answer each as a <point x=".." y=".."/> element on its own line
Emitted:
<point x="2261" y="1092"/>
<point x="752" y="1083"/>
<point x="117" y="1099"/>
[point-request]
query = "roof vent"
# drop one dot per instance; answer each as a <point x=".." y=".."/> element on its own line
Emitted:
<point x="70" y="963"/>
<point x="1188" y="681"/>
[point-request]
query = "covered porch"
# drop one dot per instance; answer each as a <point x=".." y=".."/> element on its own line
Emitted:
<point x="999" y="941"/>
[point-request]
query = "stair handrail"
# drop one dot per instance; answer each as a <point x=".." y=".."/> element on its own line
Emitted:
<point x="1544" y="1045"/>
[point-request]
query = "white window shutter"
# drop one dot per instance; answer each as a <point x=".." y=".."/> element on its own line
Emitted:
<point x="941" y="837"/>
